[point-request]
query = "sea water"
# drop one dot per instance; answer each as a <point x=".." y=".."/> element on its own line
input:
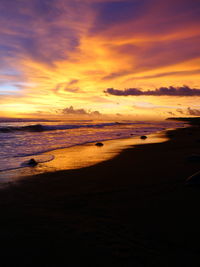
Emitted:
<point x="22" y="140"/>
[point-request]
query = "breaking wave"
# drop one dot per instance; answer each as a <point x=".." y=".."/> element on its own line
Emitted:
<point x="41" y="128"/>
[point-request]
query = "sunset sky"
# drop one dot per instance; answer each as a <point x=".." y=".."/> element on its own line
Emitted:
<point x="137" y="58"/>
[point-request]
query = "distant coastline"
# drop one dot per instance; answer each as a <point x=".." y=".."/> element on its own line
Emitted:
<point x="191" y="120"/>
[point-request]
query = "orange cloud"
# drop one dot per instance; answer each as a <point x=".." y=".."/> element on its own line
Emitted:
<point x="65" y="53"/>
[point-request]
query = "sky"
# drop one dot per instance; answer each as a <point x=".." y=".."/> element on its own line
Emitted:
<point x="97" y="58"/>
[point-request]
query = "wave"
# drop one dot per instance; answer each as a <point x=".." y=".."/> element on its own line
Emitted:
<point x="41" y="128"/>
<point x="29" y="128"/>
<point x="7" y="164"/>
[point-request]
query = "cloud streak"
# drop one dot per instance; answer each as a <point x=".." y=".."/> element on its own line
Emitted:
<point x="162" y="91"/>
<point x="167" y="74"/>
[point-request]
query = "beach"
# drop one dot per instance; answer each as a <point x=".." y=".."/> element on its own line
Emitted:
<point x="132" y="210"/>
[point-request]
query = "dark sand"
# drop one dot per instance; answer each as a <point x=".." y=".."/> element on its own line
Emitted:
<point x="133" y="210"/>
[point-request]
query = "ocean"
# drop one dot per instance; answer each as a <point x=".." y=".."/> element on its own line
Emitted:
<point x="23" y="140"/>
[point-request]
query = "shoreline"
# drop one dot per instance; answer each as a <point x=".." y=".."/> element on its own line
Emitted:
<point x="79" y="156"/>
<point x="132" y="210"/>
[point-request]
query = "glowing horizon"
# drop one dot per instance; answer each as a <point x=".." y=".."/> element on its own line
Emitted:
<point x="61" y="54"/>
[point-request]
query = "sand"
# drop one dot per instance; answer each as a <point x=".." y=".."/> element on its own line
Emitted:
<point x="132" y="210"/>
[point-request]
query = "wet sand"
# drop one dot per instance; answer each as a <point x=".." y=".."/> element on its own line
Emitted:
<point x="132" y="210"/>
<point x="76" y="157"/>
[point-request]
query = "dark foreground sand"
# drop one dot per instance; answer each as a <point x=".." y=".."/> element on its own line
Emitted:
<point x="133" y="210"/>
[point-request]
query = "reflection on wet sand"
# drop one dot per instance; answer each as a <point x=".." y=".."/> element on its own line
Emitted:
<point x="80" y="156"/>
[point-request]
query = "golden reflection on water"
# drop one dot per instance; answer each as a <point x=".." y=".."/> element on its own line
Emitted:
<point x="80" y="156"/>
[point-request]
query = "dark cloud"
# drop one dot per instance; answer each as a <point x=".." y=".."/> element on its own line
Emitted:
<point x="72" y="111"/>
<point x="171" y="113"/>
<point x="179" y="110"/>
<point x="125" y="92"/>
<point x="162" y="91"/>
<point x="95" y="113"/>
<point x="189" y="111"/>
<point x="193" y="112"/>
